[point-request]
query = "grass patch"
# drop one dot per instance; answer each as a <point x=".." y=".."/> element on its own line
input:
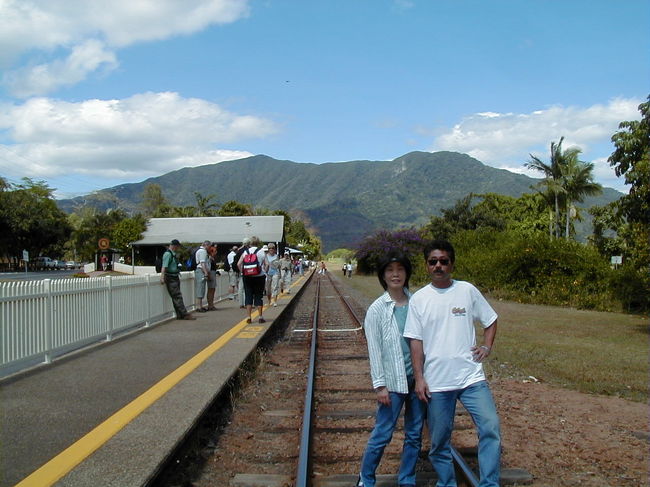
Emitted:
<point x="587" y="351"/>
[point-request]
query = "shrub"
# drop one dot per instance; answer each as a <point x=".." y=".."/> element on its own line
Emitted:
<point x="374" y="247"/>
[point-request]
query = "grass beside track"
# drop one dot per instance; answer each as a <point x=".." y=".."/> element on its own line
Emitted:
<point x="588" y="351"/>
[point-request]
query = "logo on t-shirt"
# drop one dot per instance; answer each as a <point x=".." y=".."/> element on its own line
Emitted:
<point x="458" y="311"/>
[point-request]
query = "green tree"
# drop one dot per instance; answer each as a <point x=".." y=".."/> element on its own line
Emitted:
<point x="552" y="182"/>
<point x="235" y="208"/>
<point x="577" y="182"/>
<point x="31" y="220"/>
<point x="90" y="226"/>
<point x="631" y="159"/>
<point x="126" y="231"/>
<point x="204" y="205"/>
<point x="154" y="204"/>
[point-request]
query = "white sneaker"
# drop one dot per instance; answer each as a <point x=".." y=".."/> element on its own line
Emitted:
<point x="275" y="304"/>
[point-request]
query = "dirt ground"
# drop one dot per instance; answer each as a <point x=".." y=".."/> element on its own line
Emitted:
<point x="567" y="438"/>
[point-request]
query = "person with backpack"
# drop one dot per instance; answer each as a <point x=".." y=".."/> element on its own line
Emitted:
<point x="169" y="276"/>
<point x="250" y="267"/>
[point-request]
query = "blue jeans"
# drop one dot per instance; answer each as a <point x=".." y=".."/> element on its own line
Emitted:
<point x="479" y="403"/>
<point x="385" y="421"/>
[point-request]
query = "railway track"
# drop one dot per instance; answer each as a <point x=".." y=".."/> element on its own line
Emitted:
<point x="281" y="433"/>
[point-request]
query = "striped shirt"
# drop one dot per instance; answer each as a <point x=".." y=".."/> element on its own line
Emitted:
<point x="384" y="339"/>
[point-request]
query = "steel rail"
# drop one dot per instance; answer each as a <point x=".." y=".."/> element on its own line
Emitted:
<point x="345" y="301"/>
<point x="304" y="455"/>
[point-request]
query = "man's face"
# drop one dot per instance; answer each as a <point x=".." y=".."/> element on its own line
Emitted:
<point x="439" y="267"/>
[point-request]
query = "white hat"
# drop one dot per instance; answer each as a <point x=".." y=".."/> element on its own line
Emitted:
<point x="265" y="248"/>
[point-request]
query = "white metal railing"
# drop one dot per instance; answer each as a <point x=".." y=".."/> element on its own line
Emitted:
<point x="41" y="320"/>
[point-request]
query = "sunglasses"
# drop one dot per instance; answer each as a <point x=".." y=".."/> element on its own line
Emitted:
<point x="435" y="261"/>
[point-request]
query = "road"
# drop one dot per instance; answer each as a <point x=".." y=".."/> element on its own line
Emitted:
<point x="37" y="275"/>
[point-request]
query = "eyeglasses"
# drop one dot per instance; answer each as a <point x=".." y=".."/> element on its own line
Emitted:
<point x="435" y="261"/>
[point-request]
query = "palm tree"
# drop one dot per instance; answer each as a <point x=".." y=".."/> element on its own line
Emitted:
<point x="552" y="178"/>
<point x="204" y="207"/>
<point x="577" y="181"/>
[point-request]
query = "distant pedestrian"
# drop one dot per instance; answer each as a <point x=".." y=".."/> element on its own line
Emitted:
<point x="233" y="274"/>
<point x="214" y="272"/>
<point x="285" y="273"/>
<point x="104" y="262"/>
<point x="348" y="269"/>
<point x="201" y="275"/>
<point x="272" y="268"/>
<point x="169" y="276"/>
<point x="250" y="266"/>
<point x="322" y="269"/>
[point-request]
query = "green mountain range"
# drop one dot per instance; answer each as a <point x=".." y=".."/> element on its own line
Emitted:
<point x="342" y="201"/>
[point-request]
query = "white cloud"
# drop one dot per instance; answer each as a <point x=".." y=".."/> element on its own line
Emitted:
<point x="89" y="31"/>
<point x="141" y="136"/>
<point x="505" y="140"/>
<point x="44" y="78"/>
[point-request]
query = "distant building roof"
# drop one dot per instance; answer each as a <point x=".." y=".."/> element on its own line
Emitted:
<point x="220" y="229"/>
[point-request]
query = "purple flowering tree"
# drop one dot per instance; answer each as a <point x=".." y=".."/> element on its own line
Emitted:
<point x="374" y="247"/>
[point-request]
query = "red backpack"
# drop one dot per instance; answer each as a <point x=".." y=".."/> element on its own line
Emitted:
<point x="250" y="265"/>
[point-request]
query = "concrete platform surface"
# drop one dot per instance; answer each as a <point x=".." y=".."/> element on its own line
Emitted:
<point x="112" y="414"/>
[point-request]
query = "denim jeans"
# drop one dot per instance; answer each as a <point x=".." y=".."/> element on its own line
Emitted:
<point x="385" y="421"/>
<point x="479" y="403"/>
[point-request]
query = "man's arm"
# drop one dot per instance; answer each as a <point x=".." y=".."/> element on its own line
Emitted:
<point x="417" y="359"/>
<point x="482" y="352"/>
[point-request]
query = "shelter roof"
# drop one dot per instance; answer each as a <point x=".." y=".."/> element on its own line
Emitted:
<point x="220" y="229"/>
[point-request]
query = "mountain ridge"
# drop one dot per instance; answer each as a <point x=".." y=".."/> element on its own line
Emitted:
<point x="342" y="201"/>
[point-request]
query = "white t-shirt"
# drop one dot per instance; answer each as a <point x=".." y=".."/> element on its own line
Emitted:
<point x="200" y="257"/>
<point x="444" y="320"/>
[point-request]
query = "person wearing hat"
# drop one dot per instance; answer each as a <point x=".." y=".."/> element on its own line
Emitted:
<point x="285" y="272"/>
<point x="169" y="277"/>
<point x="253" y="284"/>
<point x="233" y="274"/>
<point x="391" y="372"/>
<point x="272" y="269"/>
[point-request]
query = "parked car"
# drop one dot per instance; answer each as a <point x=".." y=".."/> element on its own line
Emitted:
<point x="71" y="264"/>
<point x="44" y="263"/>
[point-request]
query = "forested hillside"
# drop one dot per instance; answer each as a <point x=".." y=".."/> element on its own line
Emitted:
<point x="341" y="201"/>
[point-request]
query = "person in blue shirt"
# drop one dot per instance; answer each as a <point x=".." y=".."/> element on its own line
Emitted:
<point x="392" y="373"/>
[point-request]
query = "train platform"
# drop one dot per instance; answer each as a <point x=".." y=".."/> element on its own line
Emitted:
<point x="112" y="414"/>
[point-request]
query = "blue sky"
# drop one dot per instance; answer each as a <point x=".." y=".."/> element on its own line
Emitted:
<point x="92" y="97"/>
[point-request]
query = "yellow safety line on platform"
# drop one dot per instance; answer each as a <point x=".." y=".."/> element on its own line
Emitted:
<point x="69" y="458"/>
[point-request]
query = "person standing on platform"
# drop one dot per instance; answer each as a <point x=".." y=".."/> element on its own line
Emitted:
<point x="233" y="275"/>
<point x="169" y="276"/>
<point x="212" y="282"/>
<point x="201" y="275"/>
<point x="253" y="277"/>
<point x="245" y="243"/>
<point x="285" y="273"/>
<point x="272" y="269"/>
<point x="447" y="363"/>
<point x="392" y="373"/>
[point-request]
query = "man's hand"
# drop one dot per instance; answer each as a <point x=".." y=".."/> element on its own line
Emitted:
<point x="382" y="396"/>
<point x="480" y="353"/>
<point x="422" y="390"/>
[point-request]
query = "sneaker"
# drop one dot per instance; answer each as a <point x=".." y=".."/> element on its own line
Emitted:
<point x="188" y="317"/>
<point x="262" y="320"/>
<point x="212" y="308"/>
<point x="359" y="482"/>
<point x="201" y="310"/>
<point x="248" y="320"/>
<point x="275" y="304"/>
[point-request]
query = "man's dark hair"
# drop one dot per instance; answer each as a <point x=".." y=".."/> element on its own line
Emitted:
<point x="440" y="245"/>
<point x="394" y="256"/>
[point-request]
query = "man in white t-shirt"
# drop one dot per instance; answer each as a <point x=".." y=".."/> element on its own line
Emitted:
<point x="233" y="276"/>
<point x="201" y="275"/>
<point x="447" y="363"/>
